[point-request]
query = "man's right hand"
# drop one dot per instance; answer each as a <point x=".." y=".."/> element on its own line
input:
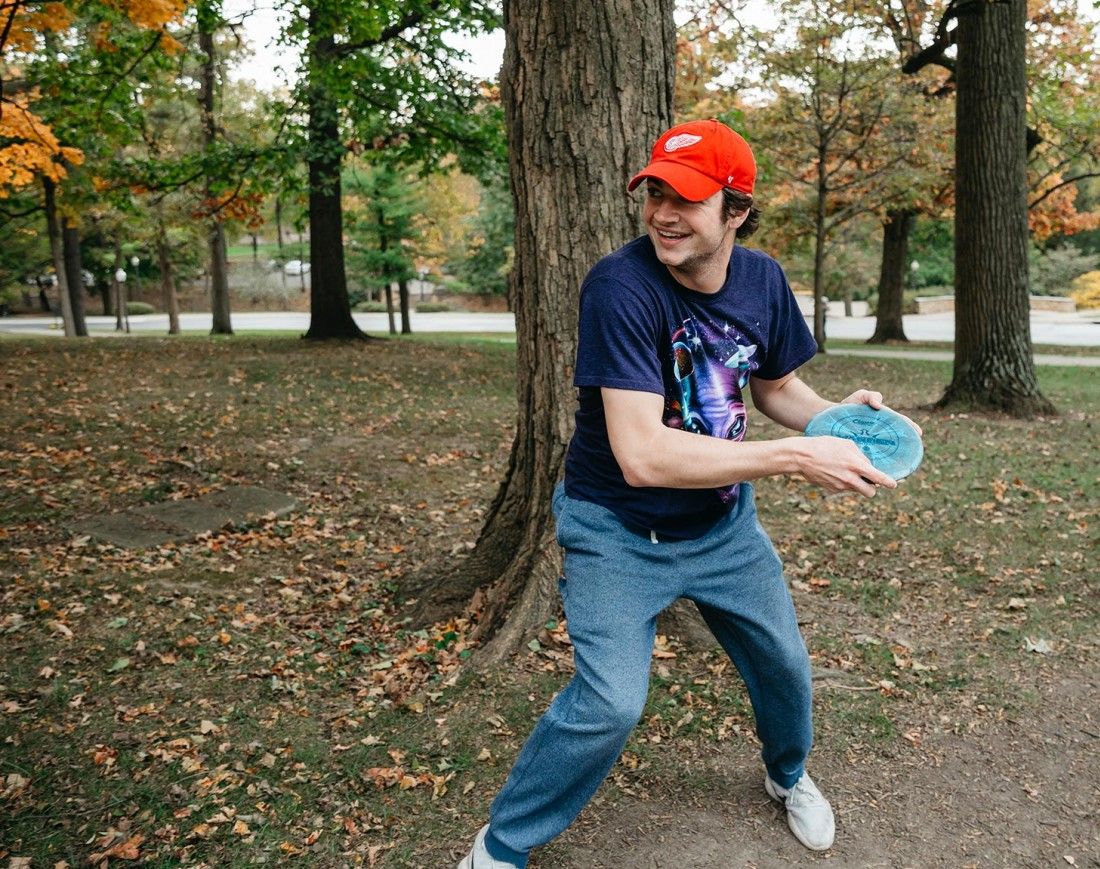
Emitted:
<point x="838" y="465"/>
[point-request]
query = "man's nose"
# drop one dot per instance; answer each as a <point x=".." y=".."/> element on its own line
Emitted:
<point x="666" y="212"/>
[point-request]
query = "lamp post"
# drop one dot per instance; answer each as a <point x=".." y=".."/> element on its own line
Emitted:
<point x="135" y="262"/>
<point x="122" y="316"/>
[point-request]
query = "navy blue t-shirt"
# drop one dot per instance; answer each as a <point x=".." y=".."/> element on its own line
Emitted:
<point x="640" y="329"/>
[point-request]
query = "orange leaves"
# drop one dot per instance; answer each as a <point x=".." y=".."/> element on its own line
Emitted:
<point x="31" y="150"/>
<point x="1057" y="212"/>
<point x="151" y="14"/>
<point x="29" y="22"/>
<point x="391" y="776"/>
<point x="127" y="849"/>
<point x="233" y="205"/>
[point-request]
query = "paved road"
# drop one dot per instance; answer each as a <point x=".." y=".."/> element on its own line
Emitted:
<point x="947" y="356"/>
<point x="1068" y="330"/>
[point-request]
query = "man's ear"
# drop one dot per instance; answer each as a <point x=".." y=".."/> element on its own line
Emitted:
<point x="739" y="218"/>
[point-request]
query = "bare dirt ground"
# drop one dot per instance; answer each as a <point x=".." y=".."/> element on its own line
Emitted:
<point x="1013" y="793"/>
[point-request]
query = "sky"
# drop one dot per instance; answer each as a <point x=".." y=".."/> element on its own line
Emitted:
<point x="262" y="28"/>
<point x="485" y="52"/>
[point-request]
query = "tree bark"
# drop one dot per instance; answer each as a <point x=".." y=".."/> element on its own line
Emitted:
<point x="389" y="308"/>
<point x="403" y="296"/>
<point x="74" y="273"/>
<point x="329" y="305"/>
<point x="891" y="278"/>
<point x="994" y="368"/>
<point x="106" y="288"/>
<point x="215" y="231"/>
<point x="819" y="248"/>
<point x="53" y="231"/>
<point x="279" y="225"/>
<point x="167" y="280"/>
<point x="587" y="88"/>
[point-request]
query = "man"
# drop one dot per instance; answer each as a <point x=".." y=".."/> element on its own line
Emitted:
<point x="657" y="502"/>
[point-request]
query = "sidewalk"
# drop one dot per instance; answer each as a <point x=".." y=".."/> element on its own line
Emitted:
<point x="947" y="356"/>
<point x="1081" y="329"/>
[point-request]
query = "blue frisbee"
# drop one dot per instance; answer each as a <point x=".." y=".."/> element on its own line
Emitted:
<point x="888" y="439"/>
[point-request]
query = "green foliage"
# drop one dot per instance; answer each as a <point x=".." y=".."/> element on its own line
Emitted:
<point x="932" y="247"/>
<point x="433" y="308"/>
<point x="139" y="308"/>
<point x="490" y="244"/>
<point x="1054" y="270"/>
<point x="452" y="284"/>
<point x="24" y="250"/>
<point x="382" y="204"/>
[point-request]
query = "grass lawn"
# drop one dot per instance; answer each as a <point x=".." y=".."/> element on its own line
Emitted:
<point x="255" y="696"/>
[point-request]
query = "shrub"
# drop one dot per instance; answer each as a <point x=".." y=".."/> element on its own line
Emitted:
<point x="133" y="308"/>
<point x="452" y="284"/>
<point x="372" y="307"/>
<point x="1053" y="271"/>
<point x="433" y="308"/>
<point x="1086" y="290"/>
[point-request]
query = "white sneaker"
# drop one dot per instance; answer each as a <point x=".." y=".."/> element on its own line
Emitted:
<point x="479" y="856"/>
<point x="809" y="814"/>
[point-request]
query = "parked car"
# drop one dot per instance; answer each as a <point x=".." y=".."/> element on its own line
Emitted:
<point x="296" y="267"/>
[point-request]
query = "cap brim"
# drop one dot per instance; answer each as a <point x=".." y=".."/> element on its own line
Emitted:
<point x="692" y="185"/>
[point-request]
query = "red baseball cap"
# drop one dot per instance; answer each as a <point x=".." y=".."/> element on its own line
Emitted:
<point x="699" y="158"/>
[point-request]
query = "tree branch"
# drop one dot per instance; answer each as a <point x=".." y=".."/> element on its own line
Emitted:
<point x="411" y="19"/>
<point x="126" y="74"/>
<point x="1072" y="180"/>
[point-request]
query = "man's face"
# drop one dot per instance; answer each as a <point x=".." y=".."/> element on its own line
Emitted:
<point x="691" y="238"/>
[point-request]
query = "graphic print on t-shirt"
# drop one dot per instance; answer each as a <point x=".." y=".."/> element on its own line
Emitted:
<point x="710" y="365"/>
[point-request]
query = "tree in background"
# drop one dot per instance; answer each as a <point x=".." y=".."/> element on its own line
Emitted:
<point x="378" y="77"/>
<point x="490" y="242"/>
<point x="1063" y="79"/>
<point x="39" y="44"/>
<point x="994" y="367"/>
<point x="839" y="129"/>
<point x="382" y="206"/>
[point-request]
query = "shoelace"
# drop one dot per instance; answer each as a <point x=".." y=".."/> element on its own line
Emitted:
<point x="802" y="794"/>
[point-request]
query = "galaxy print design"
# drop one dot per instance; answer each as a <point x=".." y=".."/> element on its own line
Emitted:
<point x="711" y="365"/>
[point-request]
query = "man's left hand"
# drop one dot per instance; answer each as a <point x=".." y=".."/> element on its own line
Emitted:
<point x="874" y="399"/>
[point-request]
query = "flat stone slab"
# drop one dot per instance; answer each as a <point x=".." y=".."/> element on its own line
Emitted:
<point x="175" y="521"/>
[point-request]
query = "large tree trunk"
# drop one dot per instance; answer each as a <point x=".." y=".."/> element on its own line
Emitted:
<point x="53" y="231"/>
<point x="74" y="273"/>
<point x="891" y="278"/>
<point x="219" y="278"/>
<point x="994" y="368"/>
<point x="587" y="88"/>
<point x="329" y="306"/>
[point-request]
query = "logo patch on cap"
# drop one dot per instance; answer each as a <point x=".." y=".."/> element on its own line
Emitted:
<point x="684" y="140"/>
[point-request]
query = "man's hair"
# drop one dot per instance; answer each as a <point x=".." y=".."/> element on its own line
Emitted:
<point x="734" y="202"/>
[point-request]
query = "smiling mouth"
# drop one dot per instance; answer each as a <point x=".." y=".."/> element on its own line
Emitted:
<point x="671" y="236"/>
